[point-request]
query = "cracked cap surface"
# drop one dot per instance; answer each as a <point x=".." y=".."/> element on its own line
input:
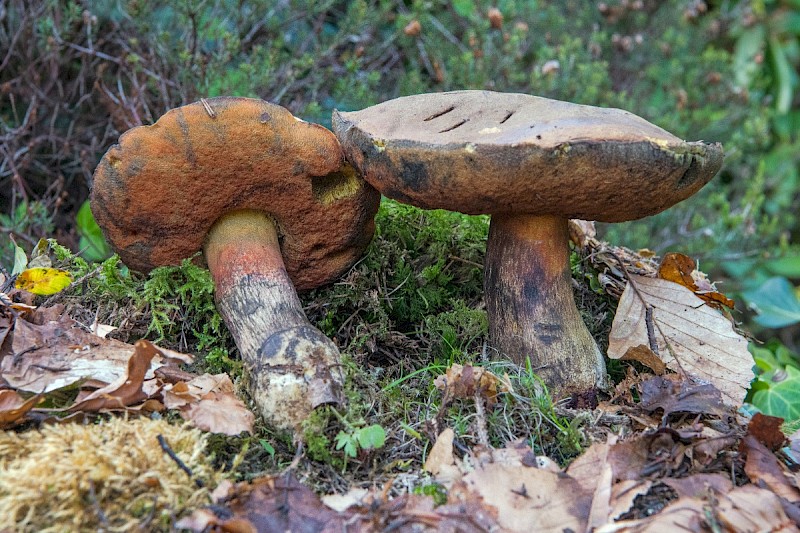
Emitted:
<point x="160" y="189"/>
<point x="482" y="152"/>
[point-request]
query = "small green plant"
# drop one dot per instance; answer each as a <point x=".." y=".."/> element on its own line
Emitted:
<point x="434" y="490"/>
<point x="93" y="245"/>
<point x="354" y="438"/>
<point x="776" y="389"/>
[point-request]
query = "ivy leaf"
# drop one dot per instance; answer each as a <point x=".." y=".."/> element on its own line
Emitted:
<point x="371" y="437"/>
<point x="782" y="397"/>
<point x="776" y="303"/>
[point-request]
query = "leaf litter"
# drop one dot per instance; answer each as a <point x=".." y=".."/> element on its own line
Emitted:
<point x="684" y="459"/>
<point x="690" y="464"/>
<point x="51" y="354"/>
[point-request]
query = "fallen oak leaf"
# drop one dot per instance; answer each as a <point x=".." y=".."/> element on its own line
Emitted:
<point x="51" y="351"/>
<point x="691" y="336"/>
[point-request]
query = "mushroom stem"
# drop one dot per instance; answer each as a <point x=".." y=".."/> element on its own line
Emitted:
<point x="290" y="362"/>
<point x="531" y="306"/>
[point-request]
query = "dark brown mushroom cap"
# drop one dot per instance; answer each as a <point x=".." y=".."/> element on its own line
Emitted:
<point x="158" y="192"/>
<point x="485" y="152"/>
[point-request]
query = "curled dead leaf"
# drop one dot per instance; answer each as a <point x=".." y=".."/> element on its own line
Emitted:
<point x="14" y="407"/>
<point x="125" y="390"/>
<point x="468" y="381"/>
<point x="682" y="269"/>
<point x="209" y="402"/>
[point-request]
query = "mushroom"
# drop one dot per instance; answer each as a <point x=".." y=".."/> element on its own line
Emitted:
<point x="531" y="163"/>
<point x="270" y="201"/>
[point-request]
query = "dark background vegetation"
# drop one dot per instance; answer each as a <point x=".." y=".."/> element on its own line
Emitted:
<point x="74" y="75"/>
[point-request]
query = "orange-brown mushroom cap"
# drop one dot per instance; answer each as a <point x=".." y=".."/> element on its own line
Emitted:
<point x="482" y="152"/>
<point x="157" y="193"/>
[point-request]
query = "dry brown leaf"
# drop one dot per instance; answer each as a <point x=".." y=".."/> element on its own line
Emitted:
<point x="647" y="357"/>
<point x="629" y="458"/>
<point x="441" y="454"/>
<point x="125" y="390"/>
<point x="699" y="485"/>
<point x="750" y="508"/>
<point x="703" y="342"/>
<point x="746" y="508"/>
<point x="581" y="232"/>
<point x="596" y="475"/>
<point x="682" y="269"/>
<point x="220" y="413"/>
<point x="14" y="407"/>
<point x="342" y="502"/>
<point x="57" y="353"/>
<point x="467" y="381"/>
<point x="763" y="468"/>
<point x="767" y="430"/>
<point x="674" y="394"/>
<point x="209" y="402"/>
<point x="524" y="496"/>
<point x="586" y="468"/>
<point x="281" y="503"/>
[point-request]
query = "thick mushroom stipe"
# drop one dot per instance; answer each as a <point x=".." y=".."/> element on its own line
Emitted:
<point x="530" y="303"/>
<point x="274" y="207"/>
<point x="532" y="163"/>
<point x="292" y="366"/>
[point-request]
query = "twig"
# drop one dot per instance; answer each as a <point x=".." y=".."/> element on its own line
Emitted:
<point x="298" y="455"/>
<point x="101" y="516"/>
<point x="651" y="334"/>
<point x="483" y="434"/>
<point x="165" y="446"/>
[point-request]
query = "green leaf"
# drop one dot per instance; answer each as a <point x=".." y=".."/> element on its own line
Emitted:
<point x="40" y="258"/>
<point x="465" y="8"/>
<point x="748" y="45"/>
<point x="371" y="437"/>
<point x="270" y="449"/>
<point x="785" y="76"/>
<point x="776" y="303"/>
<point x="788" y="267"/>
<point x="347" y="442"/>
<point x="782" y="398"/>
<point x="92" y="243"/>
<point x="20" y="260"/>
